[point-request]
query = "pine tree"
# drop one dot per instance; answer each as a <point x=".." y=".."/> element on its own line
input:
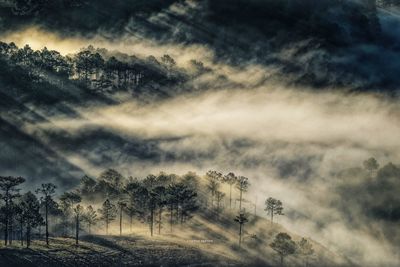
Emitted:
<point x="90" y="217"/>
<point x="283" y="245"/>
<point x="30" y="207"/>
<point x="242" y="184"/>
<point x="230" y="179"/>
<point x="9" y="193"/>
<point x="305" y="249"/>
<point x="242" y="219"/>
<point x="78" y="212"/>
<point x="47" y="191"/>
<point x="121" y="207"/>
<point x="67" y="201"/>
<point x="273" y="207"/>
<point x="213" y="185"/>
<point x="108" y="213"/>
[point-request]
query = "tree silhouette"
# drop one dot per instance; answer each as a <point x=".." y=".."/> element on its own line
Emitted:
<point x="87" y="186"/>
<point x="172" y="201"/>
<point x="88" y="63"/>
<point x="30" y="207"/>
<point x="230" y="179"/>
<point x="241" y="219"/>
<point x="9" y="193"/>
<point x="160" y="201"/>
<point x="283" y="245"/>
<point x="186" y="200"/>
<point x="169" y="63"/>
<point x="121" y="207"/>
<point x="305" y="249"/>
<point x="213" y="185"/>
<point x="150" y="181"/>
<point x="191" y="180"/>
<point x="20" y="219"/>
<point x="67" y="201"/>
<point x="108" y="213"/>
<point x="47" y="191"/>
<point x="110" y="184"/>
<point x="371" y="165"/>
<point x="90" y="217"/>
<point x="78" y="212"/>
<point x="151" y="205"/>
<point x="242" y="184"/>
<point x="273" y="207"/>
<point x="219" y="197"/>
<point x="136" y="199"/>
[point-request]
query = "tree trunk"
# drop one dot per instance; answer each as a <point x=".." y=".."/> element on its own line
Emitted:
<point x="255" y="208"/>
<point x="272" y="216"/>
<point x="159" y="221"/>
<point x="106" y="227"/>
<point x="151" y="221"/>
<point x="281" y="260"/>
<point x="120" y="221"/>
<point x="240" y="201"/>
<point x="64" y="224"/>
<point x="230" y="196"/>
<point x="177" y="213"/>
<point x="182" y="216"/>
<point x="28" y="236"/>
<point x="6" y="231"/>
<point x="171" y="216"/>
<point x="7" y="218"/>
<point x="130" y="222"/>
<point x="240" y="235"/>
<point x="77" y="230"/>
<point x="47" y="224"/>
<point x="21" y="233"/>
<point x="10" y="234"/>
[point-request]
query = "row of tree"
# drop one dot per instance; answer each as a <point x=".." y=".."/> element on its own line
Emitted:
<point x="96" y="69"/>
<point x="152" y="200"/>
<point x="155" y="200"/>
<point x="143" y="199"/>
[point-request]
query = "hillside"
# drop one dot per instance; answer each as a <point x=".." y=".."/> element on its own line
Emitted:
<point x="318" y="43"/>
<point x="152" y="131"/>
<point x="200" y="244"/>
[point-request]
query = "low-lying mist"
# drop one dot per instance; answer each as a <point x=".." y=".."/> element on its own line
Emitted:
<point x="293" y="143"/>
<point x="290" y="143"/>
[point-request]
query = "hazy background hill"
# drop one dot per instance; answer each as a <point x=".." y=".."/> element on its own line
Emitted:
<point x="318" y="43"/>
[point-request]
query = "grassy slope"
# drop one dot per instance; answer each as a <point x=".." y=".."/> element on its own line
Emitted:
<point x="109" y="251"/>
<point x="200" y="243"/>
<point x="258" y="235"/>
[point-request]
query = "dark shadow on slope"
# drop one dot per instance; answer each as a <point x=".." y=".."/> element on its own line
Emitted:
<point x="23" y="155"/>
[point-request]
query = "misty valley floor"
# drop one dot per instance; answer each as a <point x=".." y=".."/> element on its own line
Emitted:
<point x="110" y="251"/>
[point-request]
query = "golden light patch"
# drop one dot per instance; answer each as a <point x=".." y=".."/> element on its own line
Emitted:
<point x="37" y="39"/>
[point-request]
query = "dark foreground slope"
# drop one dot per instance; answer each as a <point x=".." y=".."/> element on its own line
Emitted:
<point x="204" y="241"/>
<point x="111" y="251"/>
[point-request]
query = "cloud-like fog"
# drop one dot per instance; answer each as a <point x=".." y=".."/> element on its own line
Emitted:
<point x="37" y="38"/>
<point x="291" y="143"/>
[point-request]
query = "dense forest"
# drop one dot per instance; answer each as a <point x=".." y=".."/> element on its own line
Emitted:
<point x="95" y="69"/>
